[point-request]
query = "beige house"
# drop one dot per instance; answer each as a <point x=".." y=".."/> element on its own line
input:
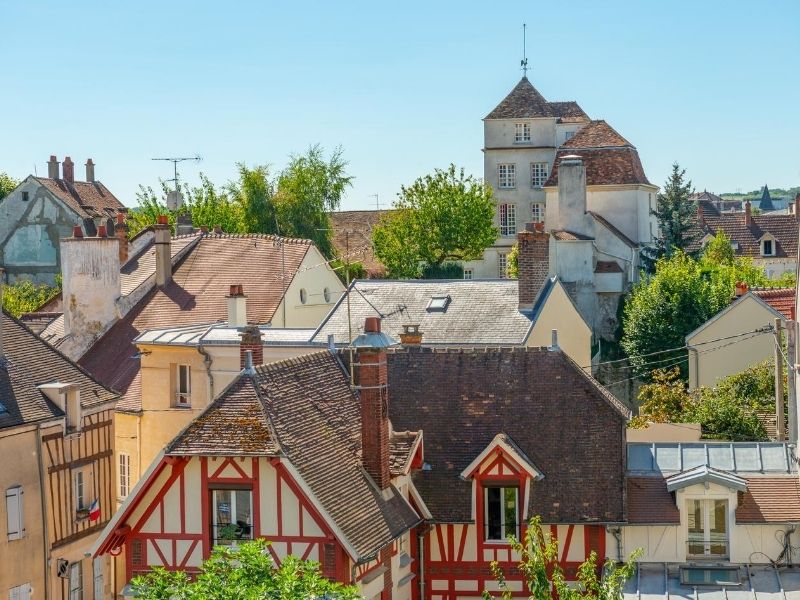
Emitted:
<point x="739" y="336"/>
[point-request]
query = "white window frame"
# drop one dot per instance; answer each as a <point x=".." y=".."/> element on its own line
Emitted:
<point x="232" y="517"/>
<point x="522" y="133"/>
<point x="15" y="513"/>
<point x="20" y="592"/>
<point x="79" y="484"/>
<point x="124" y="472"/>
<point x="506" y="176"/>
<point x="764" y="247"/>
<point x="502" y="266"/>
<point x="503" y="524"/>
<point x="183" y="397"/>
<point x="537" y="212"/>
<point x="568" y="135"/>
<point x="539" y="171"/>
<point x="469" y="274"/>
<point x="507" y="216"/>
<point x="707" y="506"/>
<point x="97" y="578"/>
<point x="75" y="582"/>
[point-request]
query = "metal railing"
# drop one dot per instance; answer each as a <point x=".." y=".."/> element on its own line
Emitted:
<point x="713" y="549"/>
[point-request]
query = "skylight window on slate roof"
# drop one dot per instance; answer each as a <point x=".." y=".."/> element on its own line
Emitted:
<point x="3" y="409"/>
<point x="439" y="303"/>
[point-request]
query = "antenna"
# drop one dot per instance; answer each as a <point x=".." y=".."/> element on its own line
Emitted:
<point x="175" y="161"/>
<point x="524" y="62"/>
<point x="377" y="203"/>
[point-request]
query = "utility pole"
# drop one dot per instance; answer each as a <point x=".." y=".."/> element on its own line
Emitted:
<point x="780" y="427"/>
<point x="791" y="353"/>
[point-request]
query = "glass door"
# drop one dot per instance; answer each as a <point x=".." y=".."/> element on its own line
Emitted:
<point x="707" y="534"/>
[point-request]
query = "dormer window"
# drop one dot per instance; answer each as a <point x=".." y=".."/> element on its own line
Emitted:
<point x="501" y="518"/>
<point x="767" y="247"/>
<point x="439" y="303"/>
<point x="522" y="133"/>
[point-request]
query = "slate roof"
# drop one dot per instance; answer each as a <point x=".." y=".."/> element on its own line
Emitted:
<point x="784" y="228"/>
<point x="479" y="311"/>
<point x="304" y="410"/>
<point x="360" y="224"/>
<point x="87" y="199"/>
<point x="525" y="101"/>
<point x="197" y="294"/>
<point x="27" y="362"/>
<point x="765" y="204"/>
<point x="462" y="398"/>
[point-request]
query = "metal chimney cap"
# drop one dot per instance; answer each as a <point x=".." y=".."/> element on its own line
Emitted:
<point x="376" y="341"/>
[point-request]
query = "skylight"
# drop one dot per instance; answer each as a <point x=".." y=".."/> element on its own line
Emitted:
<point x="3" y="409"/>
<point x="438" y="303"/>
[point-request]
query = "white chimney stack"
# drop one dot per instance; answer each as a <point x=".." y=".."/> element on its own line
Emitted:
<point x="237" y="306"/>
<point x="163" y="252"/>
<point x="572" y="196"/>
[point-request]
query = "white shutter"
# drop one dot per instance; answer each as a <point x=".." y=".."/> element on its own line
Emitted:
<point x="21" y="592"/>
<point x="14" y="513"/>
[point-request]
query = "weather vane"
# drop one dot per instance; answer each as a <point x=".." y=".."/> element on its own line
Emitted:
<point x="524" y="62"/>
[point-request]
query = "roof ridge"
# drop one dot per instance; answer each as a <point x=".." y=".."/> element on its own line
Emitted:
<point x="269" y="236"/>
<point x="277" y="365"/>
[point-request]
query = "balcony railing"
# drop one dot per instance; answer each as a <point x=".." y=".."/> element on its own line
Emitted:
<point x="715" y="548"/>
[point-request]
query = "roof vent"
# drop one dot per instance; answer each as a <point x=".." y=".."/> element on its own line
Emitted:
<point x="439" y="303"/>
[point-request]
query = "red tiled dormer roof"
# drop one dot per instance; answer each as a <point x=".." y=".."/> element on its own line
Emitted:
<point x="781" y="299"/>
<point x="88" y="199"/>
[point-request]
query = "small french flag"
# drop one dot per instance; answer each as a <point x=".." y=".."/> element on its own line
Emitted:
<point x="94" y="510"/>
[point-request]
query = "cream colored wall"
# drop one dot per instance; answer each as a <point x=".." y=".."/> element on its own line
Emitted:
<point x="710" y="362"/>
<point x="127" y="429"/>
<point x="666" y="432"/>
<point x="313" y="276"/>
<point x="22" y="560"/>
<point x="574" y="335"/>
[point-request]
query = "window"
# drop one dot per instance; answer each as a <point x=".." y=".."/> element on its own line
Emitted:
<point x="232" y="516"/>
<point x="21" y="592"/>
<point x="183" y="385"/>
<point x="124" y="474"/>
<point x="25" y="196"/>
<point x="438" y="303"/>
<point x="538" y="174"/>
<point x="522" y="132"/>
<point x="507" y="176"/>
<point x="326" y="294"/>
<point x="80" y="491"/>
<point x="537" y="212"/>
<point x="508" y="219"/>
<point x="73" y="410"/>
<point x="707" y="528"/>
<point x="97" y="571"/>
<point x="75" y="581"/>
<point x="502" y="266"/>
<point x="568" y="135"/>
<point x="303" y="296"/>
<point x="767" y="248"/>
<point x="14" y="513"/>
<point x="468" y="273"/>
<point x="500" y="507"/>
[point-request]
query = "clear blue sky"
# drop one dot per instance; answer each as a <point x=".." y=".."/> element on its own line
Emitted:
<point x="401" y="86"/>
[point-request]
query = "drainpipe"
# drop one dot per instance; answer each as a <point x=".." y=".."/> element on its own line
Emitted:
<point x="46" y="532"/>
<point x="425" y="530"/>
<point x="617" y="533"/>
<point x="207" y="362"/>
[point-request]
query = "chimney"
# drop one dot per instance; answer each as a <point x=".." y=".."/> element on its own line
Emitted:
<point x="163" y="252"/>
<point x="89" y="170"/>
<point x="554" y="347"/>
<point x="237" y="306"/>
<point x="741" y="289"/>
<point x="121" y="233"/>
<point x="218" y="229"/>
<point x="533" y="262"/>
<point x="748" y="215"/>
<point x="204" y="229"/>
<point x="251" y="343"/>
<point x="52" y="167"/>
<point x="68" y="170"/>
<point x="174" y="200"/>
<point x="411" y="335"/>
<point x="571" y="205"/>
<point x="372" y="373"/>
<point x="91" y="283"/>
<point x="183" y="224"/>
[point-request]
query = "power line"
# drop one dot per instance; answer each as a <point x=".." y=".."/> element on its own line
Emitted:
<point x="674" y="364"/>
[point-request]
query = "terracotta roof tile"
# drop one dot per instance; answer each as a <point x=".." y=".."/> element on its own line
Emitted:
<point x="88" y="199"/>
<point x="770" y="500"/>
<point x="781" y="299"/>
<point x="597" y="134"/>
<point x="401" y="443"/>
<point x="605" y="166"/>
<point x="650" y="502"/>
<point x="784" y="228"/>
<point x="525" y="101"/>
<point x="564" y="235"/>
<point x="359" y="224"/>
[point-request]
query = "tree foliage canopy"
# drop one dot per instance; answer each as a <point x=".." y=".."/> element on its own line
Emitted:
<point x="445" y="216"/>
<point x="24" y="296"/>
<point x="7" y="184"/>
<point x="246" y="572"/>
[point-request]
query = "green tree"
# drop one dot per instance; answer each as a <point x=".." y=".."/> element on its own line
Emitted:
<point x="675" y="214"/>
<point x="210" y="207"/>
<point x="245" y="572"/>
<point x="7" y="184"/>
<point x="545" y="579"/>
<point x="512" y="264"/>
<point x="23" y="297"/>
<point x="442" y="217"/>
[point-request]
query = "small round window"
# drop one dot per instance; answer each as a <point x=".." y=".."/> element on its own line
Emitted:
<point x="303" y="295"/>
<point x="326" y="293"/>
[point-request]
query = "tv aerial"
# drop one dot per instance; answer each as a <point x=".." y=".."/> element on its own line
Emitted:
<point x="175" y="161"/>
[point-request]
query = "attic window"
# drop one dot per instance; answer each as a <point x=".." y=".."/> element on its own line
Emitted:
<point x="767" y="248"/>
<point x="735" y="245"/>
<point x="24" y="196"/>
<point x="439" y="303"/>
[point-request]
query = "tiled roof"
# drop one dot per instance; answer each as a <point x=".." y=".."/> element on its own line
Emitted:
<point x="28" y="362"/>
<point x="650" y="502"/>
<point x="87" y="199"/>
<point x="304" y="409"/>
<point x="784" y="228"/>
<point x="479" y="311"/>
<point x="770" y="500"/>
<point x="525" y="101"/>
<point x="570" y="236"/>
<point x="401" y="444"/>
<point x="196" y="294"/>
<point x="781" y="299"/>
<point x="597" y="134"/>
<point x="605" y="166"/>
<point x="359" y="224"/>
<point x="462" y="398"/>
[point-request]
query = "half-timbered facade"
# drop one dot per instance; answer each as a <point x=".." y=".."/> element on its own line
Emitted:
<point x="56" y="442"/>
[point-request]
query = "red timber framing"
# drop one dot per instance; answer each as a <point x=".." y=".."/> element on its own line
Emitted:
<point x="90" y="451"/>
<point x="457" y="555"/>
<point x="163" y="526"/>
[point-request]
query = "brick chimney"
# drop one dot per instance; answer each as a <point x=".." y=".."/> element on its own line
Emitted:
<point x="91" y="283"/>
<point x="163" y="253"/>
<point x="251" y="341"/>
<point x="533" y="261"/>
<point x="741" y="289"/>
<point x="52" y="167"/>
<point x="121" y="233"/>
<point x="373" y="390"/>
<point x="68" y="170"/>
<point x="411" y="335"/>
<point x="748" y="215"/>
<point x="89" y="170"/>
<point x="237" y="306"/>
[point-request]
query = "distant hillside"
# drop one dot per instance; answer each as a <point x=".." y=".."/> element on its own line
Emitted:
<point x="775" y="193"/>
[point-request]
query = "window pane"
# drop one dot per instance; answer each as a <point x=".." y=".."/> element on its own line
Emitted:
<point x="718" y="527"/>
<point x="510" y="507"/>
<point x="244" y="528"/>
<point x="493" y="514"/>
<point x="696" y="527"/>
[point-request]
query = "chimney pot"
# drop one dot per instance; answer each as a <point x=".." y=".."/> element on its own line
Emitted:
<point x="52" y="167"/>
<point x="162" y="220"/>
<point x="411" y="335"/>
<point x="251" y="344"/>
<point x="77" y="232"/>
<point x="741" y="288"/>
<point x="101" y="231"/>
<point x="533" y="264"/>
<point x="89" y="170"/>
<point x="554" y="340"/>
<point x="237" y="306"/>
<point x="120" y="218"/>
<point x="372" y="325"/>
<point x="204" y="229"/>
<point x="218" y="229"/>
<point x="748" y="215"/>
<point x="68" y="170"/>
